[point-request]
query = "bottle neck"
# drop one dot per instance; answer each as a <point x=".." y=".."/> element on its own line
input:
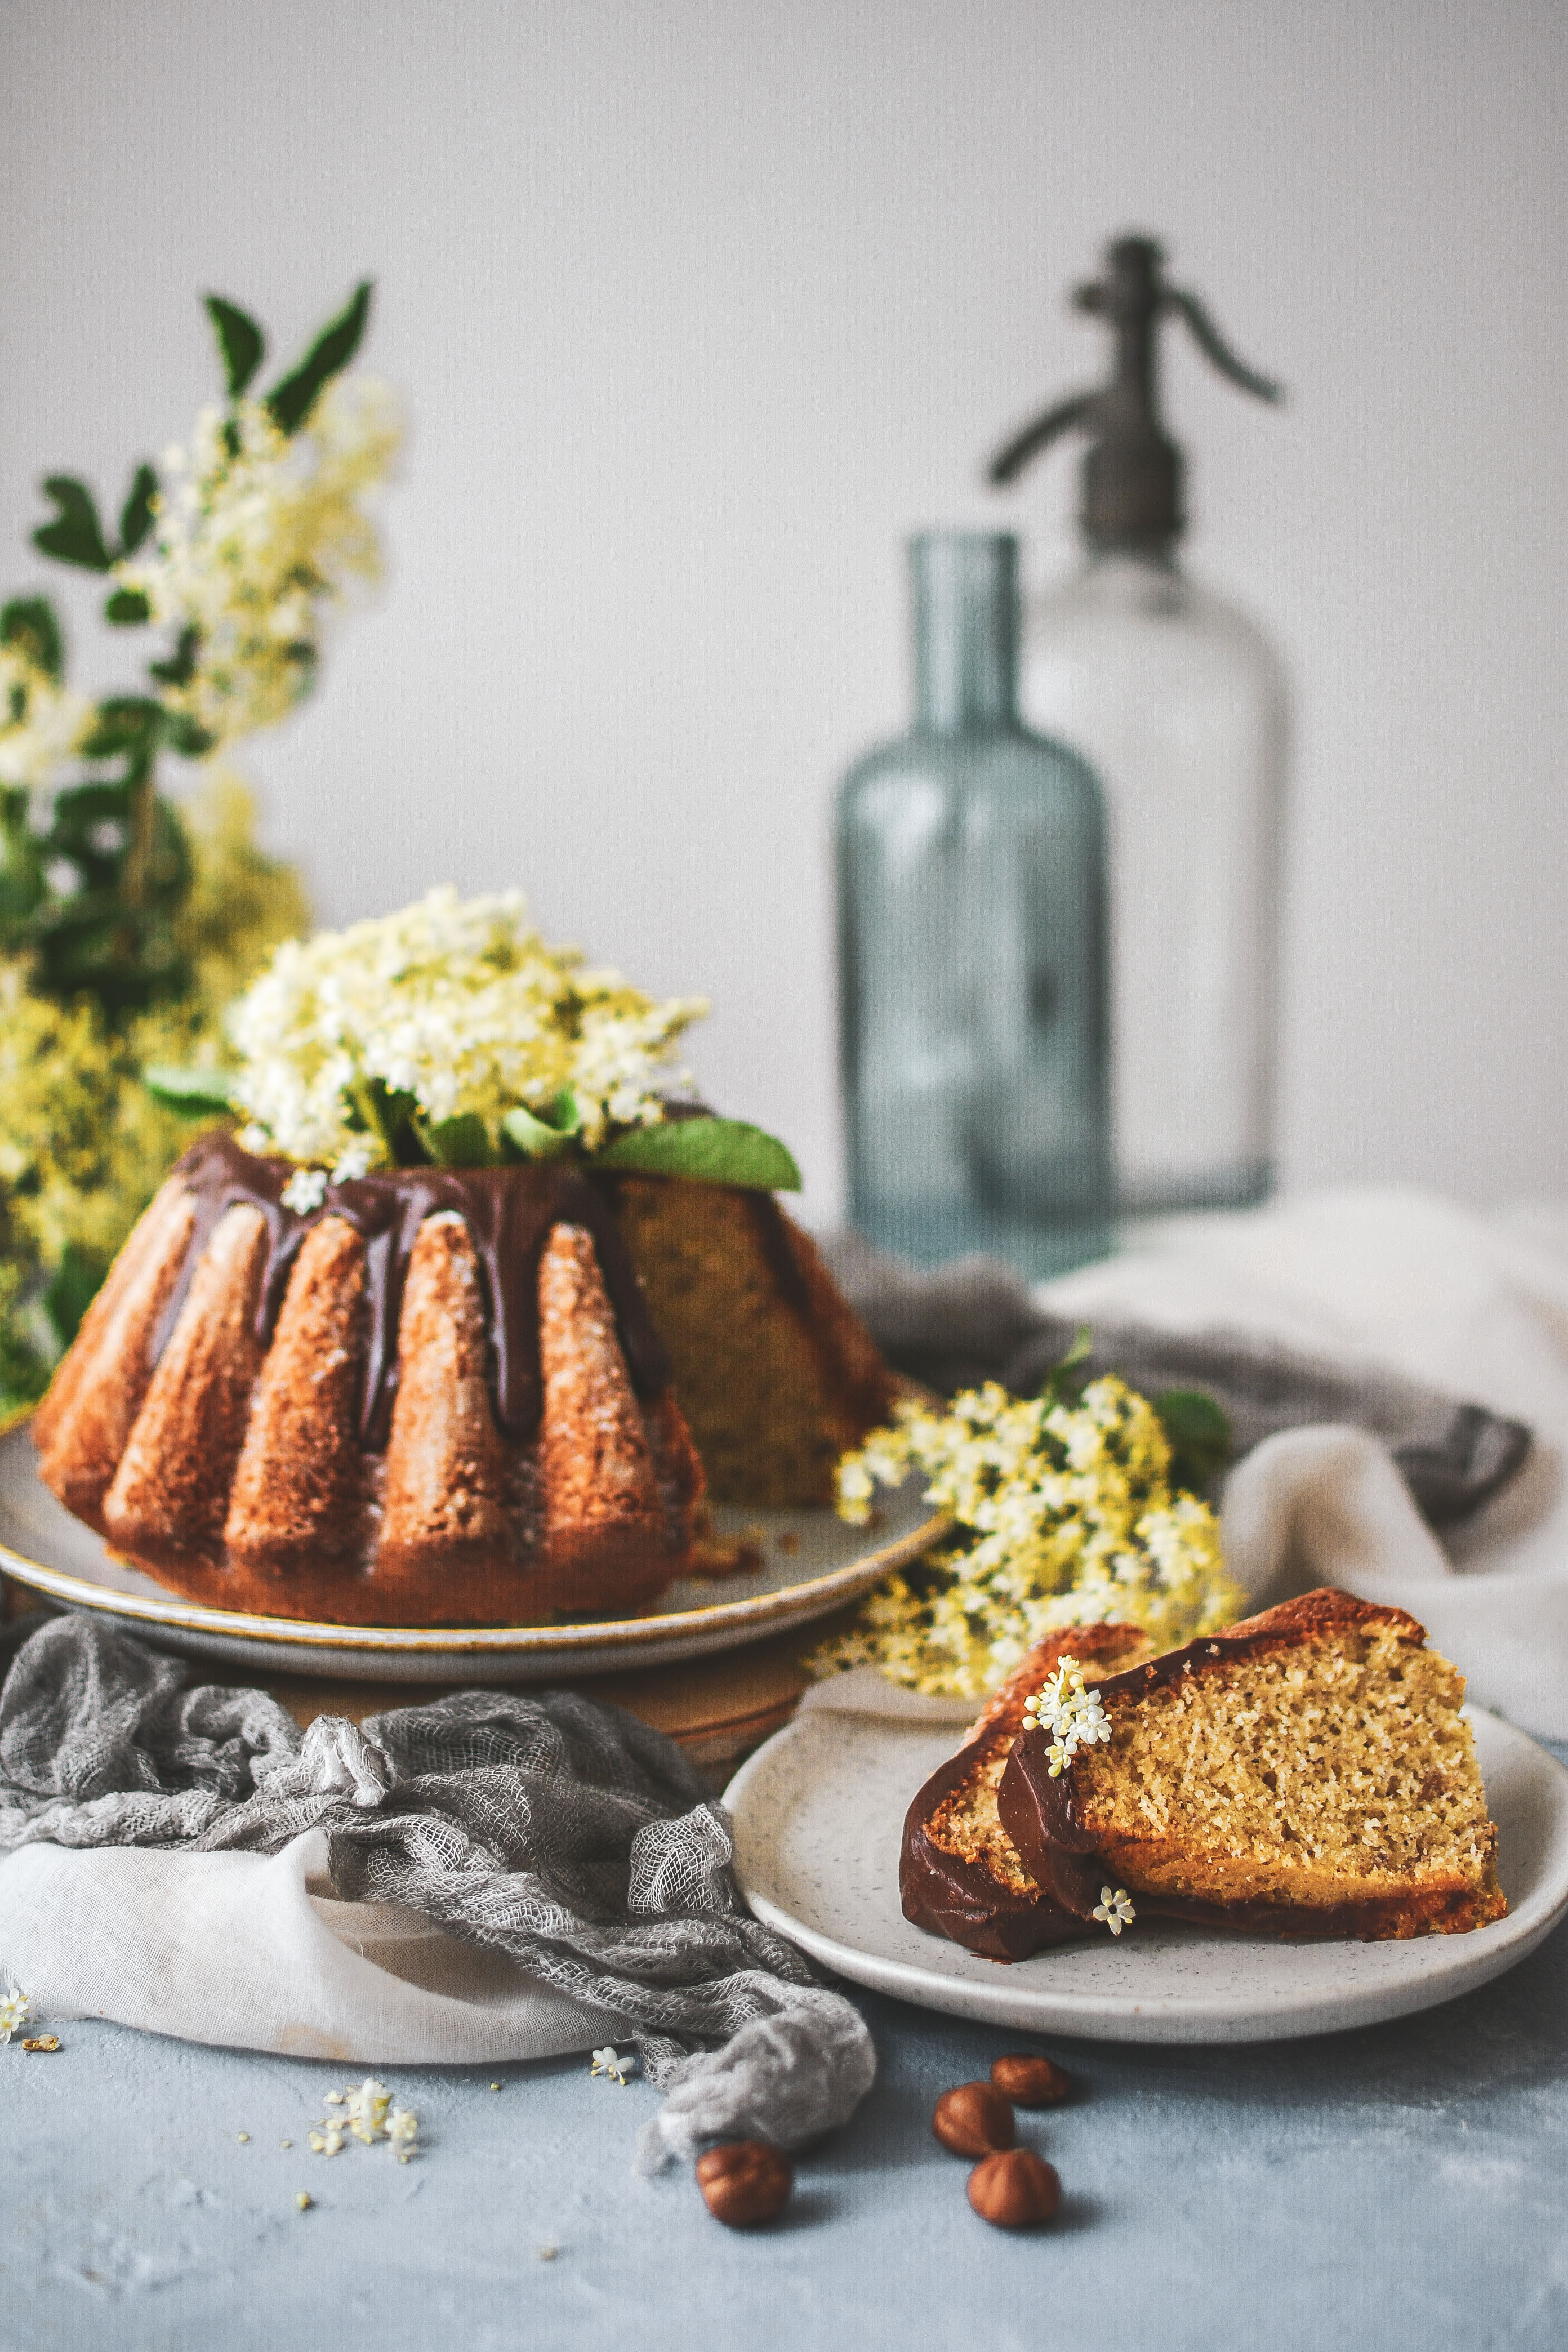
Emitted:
<point x="966" y="632"/>
<point x="1153" y="555"/>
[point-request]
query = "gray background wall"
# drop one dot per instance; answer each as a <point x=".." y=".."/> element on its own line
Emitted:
<point x="699" y="306"/>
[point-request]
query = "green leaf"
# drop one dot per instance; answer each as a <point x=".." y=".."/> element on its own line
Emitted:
<point x="127" y="609"/>
<point x="535" y="1139"/>
<point x="73" y="1286"/>
<point x="712" y="1151"/>
<point x="23" y="886"/>
<point x="1200" y="1436"/>
<point x="128" y="723"/>
<point x="1064" y="1383"/>
<point x="136" y="514"/>
<point x="241" y="343"/>
<point x="186" y="736"/>
<point x="462" y="1142"/>
<point x="195" y="1094"/>
<point x="181" y="666"/>
<point x="291" y="401"/>
<point x="76" y="535"/>
<point x="29" y="622"/>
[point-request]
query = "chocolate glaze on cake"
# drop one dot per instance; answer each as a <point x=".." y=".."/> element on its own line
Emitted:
<point x="508" y="1212"/>
<point x="448" y="1396"/>
<point x="438" y="1398"/>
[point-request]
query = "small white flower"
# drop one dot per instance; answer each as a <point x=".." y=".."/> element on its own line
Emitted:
<point x="402" y="2126"/>
<point x="1074" y="1714"/>
<point x="1115" y="1910"/>
<point x="15" y="2010"/>
<point x="367" y="2109"/>
<point x="328" y="2140"/>
<point x="306" y="1190"/>
<point x="607" y="2062"/>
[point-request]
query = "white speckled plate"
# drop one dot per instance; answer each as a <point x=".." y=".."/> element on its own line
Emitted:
<point x="41" y="1545"/>
<point x="820" y="1812"/>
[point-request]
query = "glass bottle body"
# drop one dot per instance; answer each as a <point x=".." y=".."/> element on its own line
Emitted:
<point x="1179" y="703"/>
<point x="971" y="953"/>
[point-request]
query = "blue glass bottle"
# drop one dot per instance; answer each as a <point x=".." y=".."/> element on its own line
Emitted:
<point x="973" y="952"/>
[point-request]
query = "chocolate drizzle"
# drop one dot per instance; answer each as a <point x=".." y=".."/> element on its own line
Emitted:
<point x="508" y="1212"/>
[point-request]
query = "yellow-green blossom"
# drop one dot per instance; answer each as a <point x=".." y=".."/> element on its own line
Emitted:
<point x="458" y="1004"/>
<point x="1065" y="1515"/>
<point x="41" y="722"/>
<point x="83" y="1145"/>
<point x="257" y="534"/>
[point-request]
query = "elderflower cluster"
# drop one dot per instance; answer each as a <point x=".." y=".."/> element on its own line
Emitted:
<point x="41" y="722"/>
<point x="457" y="1004"/>
<point x="368" y="2115"/>
<point x="1065" y="1516"/>
<point x="1072" y="1715"/>
<point x="257" y="534"/>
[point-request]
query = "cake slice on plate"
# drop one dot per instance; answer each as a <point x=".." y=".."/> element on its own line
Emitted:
<point x="958" y="1872"/>
<point x="1306" y="1774"/>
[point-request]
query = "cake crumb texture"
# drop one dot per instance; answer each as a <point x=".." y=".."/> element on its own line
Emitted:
<point x="1312" y="1771"/>
<point x="775" y="1374"/>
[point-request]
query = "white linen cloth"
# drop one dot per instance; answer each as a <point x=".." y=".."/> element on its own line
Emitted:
<point x="252" y="1950"/>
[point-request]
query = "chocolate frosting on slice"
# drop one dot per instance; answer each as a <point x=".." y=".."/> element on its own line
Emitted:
<point x="508" y="1212"/>
<point x="948" y="1897"/>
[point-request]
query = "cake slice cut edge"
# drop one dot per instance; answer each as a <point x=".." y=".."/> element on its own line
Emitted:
<point x="960" y="1874"/>
<point x="1305" y="1774"/>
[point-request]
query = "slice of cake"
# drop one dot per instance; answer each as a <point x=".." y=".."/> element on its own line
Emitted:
<point x="959" y="1872"/>
<point x="1306" y="1774"/>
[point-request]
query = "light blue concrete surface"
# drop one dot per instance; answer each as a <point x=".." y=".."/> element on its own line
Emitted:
<point x="1403" y="2186"/>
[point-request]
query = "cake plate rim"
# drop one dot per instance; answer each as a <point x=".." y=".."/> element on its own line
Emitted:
<point x="424" y="1653"/>
<point x="1203" y="1986"/>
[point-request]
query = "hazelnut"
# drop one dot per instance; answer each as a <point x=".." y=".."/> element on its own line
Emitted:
<point x="1016" y="2189"/>
<point x="744" y="2181"/>
<point x="1031" y="2082"/>
<point x="973" y="2120"/>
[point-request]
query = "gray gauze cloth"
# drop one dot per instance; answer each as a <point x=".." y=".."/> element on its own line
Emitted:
<point x="564" y="1834"/>
<point x="974" y="1320"/>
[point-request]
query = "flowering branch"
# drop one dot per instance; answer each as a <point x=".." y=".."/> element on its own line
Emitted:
<point x="238" y="549"/>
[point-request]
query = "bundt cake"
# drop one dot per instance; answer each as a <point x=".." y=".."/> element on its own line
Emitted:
<point x="1306" y="1773"/>
<point x="442" y="1395"/>
<point x="960" y="1875"/>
